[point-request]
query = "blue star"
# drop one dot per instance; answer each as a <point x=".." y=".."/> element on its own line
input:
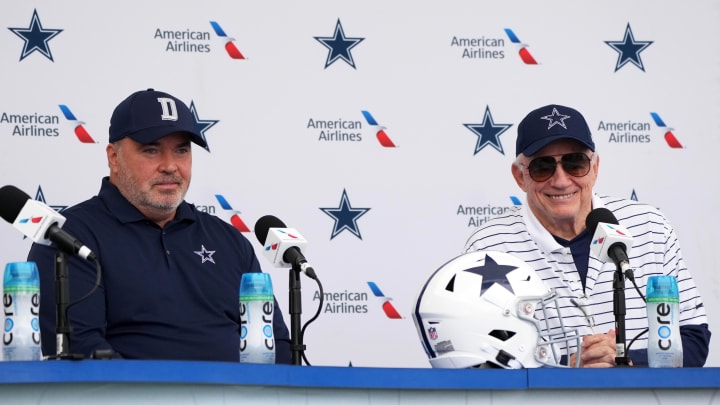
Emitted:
<point x="36" y="38"/>
<point x="339" y="46"/>
<point x="202" y="125"/>
<point x="345" y="216"/>
<point x="629" y="50"/>
<point x="40" y="196"/>
<point x="206" y="255"/>
<point x="488" y="132"/>
<point x="555" y="119"/>
<point x="492" y="273"/>
<point x="633" y="196"/>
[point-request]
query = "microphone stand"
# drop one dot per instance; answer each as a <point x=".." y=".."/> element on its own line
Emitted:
<point x="62" y="300"/>
<point x="621" y="357"/>
<point x="296" y="344"/>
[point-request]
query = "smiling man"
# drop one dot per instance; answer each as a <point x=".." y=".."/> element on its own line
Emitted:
<point x="557" y="166"/>
<point x="170" y="273"/>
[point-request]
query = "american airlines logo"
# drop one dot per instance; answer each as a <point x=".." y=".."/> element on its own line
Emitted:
<point x="34" y="220"/>
<point x="235" y="219"/>
<point x="380" y="134"/>
<point x="668" y="134"/>
<point x="387" y="305"/>
<point x="78" y="126"/>
<point x="523" y="51"/>
<point x="230" y="47"/>
<point x="274" y="246"/>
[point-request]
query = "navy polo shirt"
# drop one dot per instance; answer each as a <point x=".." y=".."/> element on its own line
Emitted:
<point x="165" y="293"/>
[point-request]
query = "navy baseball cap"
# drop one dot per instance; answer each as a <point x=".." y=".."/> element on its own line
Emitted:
<point x="548" y="124"/>
<point x="148" y="115"/>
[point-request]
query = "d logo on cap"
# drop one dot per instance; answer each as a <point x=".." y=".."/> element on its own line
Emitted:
<point x="169" y="110"/>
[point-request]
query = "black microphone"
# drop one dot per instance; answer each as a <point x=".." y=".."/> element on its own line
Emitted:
<point x="610" y="239"/>
<point x="282" y="246"/>
<point x="610" y="242"/>
<point x="39" y="222"/>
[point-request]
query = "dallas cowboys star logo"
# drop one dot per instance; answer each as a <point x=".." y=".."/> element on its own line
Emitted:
<point x="345" y="216"/>
<point x="206" y="255"/>
<point x="492" y="273"/>
<point x="488" y="132"/>
<point x="201" y="125"/>
<point x="40" y="196"/>
<point x="633" y="196"/>
<point x="36" y="37"/>
<point x="555" y="119"/>
<point x="339" y="46"/>
<point x="629" y="50"/>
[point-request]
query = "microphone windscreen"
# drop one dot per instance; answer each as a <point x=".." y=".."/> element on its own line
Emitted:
<point x="599" y="215"/>
<point x="12" y="200"/>
<point x="263" y="225"/>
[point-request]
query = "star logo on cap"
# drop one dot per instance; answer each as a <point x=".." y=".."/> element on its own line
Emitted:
<point x="555" y="119"/>
<point x="488" y="132"/>
<point x="345" y="216"/>
<point x="629" y="50"/>
<point x="36" y="37"/>
<point x="201" y="125"/>
<point x="339" y="46"/>
<point x="206" y="255"/>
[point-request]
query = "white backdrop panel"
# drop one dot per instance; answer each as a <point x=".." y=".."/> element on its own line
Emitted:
<point x="265" y="160"/>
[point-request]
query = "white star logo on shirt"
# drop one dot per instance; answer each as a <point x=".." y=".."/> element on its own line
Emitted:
<point x="206" y="255"/>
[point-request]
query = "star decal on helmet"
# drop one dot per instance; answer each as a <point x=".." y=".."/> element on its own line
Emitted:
<point x="492" y="272"/>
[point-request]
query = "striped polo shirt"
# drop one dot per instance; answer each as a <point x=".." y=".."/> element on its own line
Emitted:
<point x="656" y="251"/>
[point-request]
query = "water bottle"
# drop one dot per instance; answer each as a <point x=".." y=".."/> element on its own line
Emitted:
<point x="21" y="306"/>
<point x="257" y="342"/>
<point x="664" y="343"/>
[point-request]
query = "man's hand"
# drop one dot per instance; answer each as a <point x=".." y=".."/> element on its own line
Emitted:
<point x="598" y="351"/>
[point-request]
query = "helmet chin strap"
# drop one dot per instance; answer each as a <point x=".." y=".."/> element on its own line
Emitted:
<point x="500" y="357"/>
<point x="507" y="359"/>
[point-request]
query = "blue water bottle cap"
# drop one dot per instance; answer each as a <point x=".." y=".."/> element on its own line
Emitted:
<point x="20" y="276"/>
<point x="662" y="288"/>
<point x="256" y="285"/>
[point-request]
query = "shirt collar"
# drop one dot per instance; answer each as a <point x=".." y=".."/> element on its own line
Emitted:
<point x="542" y="237"/>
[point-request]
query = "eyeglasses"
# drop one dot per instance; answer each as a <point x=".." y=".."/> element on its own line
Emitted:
<point x="575" y="164"/>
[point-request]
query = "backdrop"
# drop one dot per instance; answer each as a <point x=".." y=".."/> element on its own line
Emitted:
<point x="383" y="132"/>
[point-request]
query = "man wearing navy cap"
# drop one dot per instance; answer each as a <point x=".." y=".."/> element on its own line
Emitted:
<point x="170" y="273"/>
<point x="557" y="166"/>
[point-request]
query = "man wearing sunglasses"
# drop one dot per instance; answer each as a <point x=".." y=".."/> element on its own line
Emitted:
<point x="557" y="166"/>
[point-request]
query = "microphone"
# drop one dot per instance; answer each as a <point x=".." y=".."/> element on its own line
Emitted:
<point x="611" y="241"/>
<point x="39" y="222"/>
<point x="282" y="246"/>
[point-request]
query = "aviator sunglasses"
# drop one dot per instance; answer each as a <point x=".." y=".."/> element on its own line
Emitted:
<point x="575" y="164"/>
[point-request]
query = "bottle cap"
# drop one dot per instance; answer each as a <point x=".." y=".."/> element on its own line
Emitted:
<point x="256" y="286"/>
<point x="21" y="276"/>
<point x="662" y="288"/>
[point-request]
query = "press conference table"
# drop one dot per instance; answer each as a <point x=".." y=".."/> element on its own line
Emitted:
<point x="178" y="382"/>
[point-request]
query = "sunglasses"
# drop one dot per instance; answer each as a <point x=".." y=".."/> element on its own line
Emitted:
<point x="575" y="164"/>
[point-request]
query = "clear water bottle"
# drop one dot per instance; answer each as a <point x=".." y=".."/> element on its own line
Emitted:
<point x="257" y="342"/>
<point x="21" y="306"/>
<point x="664" y="342"/>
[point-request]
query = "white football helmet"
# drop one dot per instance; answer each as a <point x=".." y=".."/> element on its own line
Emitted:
<point x="479" y="310"/>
